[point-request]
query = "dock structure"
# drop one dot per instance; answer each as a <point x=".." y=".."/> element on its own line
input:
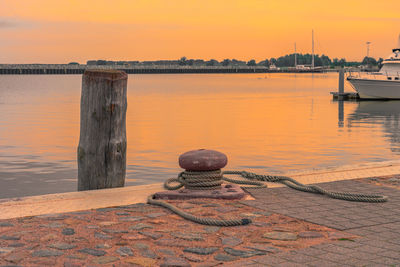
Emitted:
<point x="63" y="69"/>
<point x="345" y="96"/>
<point x="340" y="94"/>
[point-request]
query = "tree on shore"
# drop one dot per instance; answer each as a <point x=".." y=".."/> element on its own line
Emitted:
<point x="264" y="63"/>
<point x="182" y="61"/>
<point x="212" y="62"/>
<point x="251" y="62"/>
<point x="370" y="61"/>
<point x="283" y="61"/>
<point x="226" y="62"/>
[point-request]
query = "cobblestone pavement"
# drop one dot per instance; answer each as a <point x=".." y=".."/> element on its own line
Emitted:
<point x="290" y="228"/>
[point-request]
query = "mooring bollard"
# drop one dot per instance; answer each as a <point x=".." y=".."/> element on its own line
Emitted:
<point x="102" y="142"/>
<point x="202" y="177"/>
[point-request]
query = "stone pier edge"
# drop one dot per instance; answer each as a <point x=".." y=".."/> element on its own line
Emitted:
<point x="85" y="200"/>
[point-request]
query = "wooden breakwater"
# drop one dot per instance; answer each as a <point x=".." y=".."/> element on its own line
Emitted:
<point x="62" y="69"/>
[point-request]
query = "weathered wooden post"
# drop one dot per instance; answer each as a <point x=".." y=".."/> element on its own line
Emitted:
<point x="102" y="142"/>
<point x="341" y="81"/>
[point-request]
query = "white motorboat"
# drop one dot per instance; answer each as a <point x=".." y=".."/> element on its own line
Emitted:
<point x="384" y="84"/>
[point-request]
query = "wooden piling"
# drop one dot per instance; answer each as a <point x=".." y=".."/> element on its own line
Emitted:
<point x="341" y="81"/>
<point x="102" y="142"/>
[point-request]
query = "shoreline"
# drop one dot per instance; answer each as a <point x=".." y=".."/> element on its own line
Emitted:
<point x="61" y="69"/>
<point x="94" y="199"/>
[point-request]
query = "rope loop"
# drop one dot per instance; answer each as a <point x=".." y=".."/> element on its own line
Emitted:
<point x="211" y="180"/>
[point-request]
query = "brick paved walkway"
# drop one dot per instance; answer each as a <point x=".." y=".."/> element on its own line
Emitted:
<point x="290" y="228"/>
<point x="377" y="224"/>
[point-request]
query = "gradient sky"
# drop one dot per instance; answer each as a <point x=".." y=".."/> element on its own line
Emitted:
<point x="49" y="31"/>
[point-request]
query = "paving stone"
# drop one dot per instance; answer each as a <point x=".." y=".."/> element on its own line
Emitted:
<point x="151" y="235"/>
<point x="77" y="256"/>
<point x="115" y="231"/>
<point x="309" y="234"/>
<point x="106" y="209"/>
<point x="156" y="214"/>
<point x="68" y="231"/>
<point x="185" y="206"/>
<point x="224" y="257"/>
<point x="133" y="237"/>
<point x="249" y="215"/>
<point x="140" y="226"/>
<point x="193" y="258"/>
<point x="265" y="213"/>
<point x="16" y="245"/>
<point x="243" y="253"/>
<point x="209" y="264"/>
<point x="293" y="256"/>
<point x="53" y="217"/>
<point x="94" y="252"/>
<point x="166" y="251"/>
<point x="102" y="236"/>
<point x="284" y="236"/>
<point x="131" y="219"/>
<point x="141" y="246"/>
<point x="62" y="246"/>
<point x="92" y="227"/>
<point x="339" y="236"/>
<point x="105" y="259"/>
<point x="261" y="224"/>
<point x="103" y="246"/>
<point x="124" y="251"/>
<point x="53" y="225"/>
<point x="174" y="262"/>
<point x="15" y="257"/>
<point x="72" y="264"/>
<point x="225" y="209"/>
<point x="144" y="262"/>
<point x="211" y="229"/>
<point x="6" y="224"/>
<point x="147" y="253"/>
<point x="9" y="237"/>
<point x="122" y="213"/>
<point x="170" y="242"/>
<point x="6" y="250"/>
<point x="201" y="251"/>
<point x="47" y="253"/>
<point x="231" y="241"/>
<point x="108" y="223"/>
<point x="210" y="205"/>
<point x="264" y="247"/>
<point x="188" y="236"/>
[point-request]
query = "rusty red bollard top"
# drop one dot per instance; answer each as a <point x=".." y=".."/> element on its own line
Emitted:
<point x="202" y="160"/>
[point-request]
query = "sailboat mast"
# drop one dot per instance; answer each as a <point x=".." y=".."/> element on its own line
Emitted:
<point x="295" y="56"/>
<point x="312" y="62"/>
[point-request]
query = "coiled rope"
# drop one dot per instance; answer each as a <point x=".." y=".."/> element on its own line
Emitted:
<point x="212" y="180"/>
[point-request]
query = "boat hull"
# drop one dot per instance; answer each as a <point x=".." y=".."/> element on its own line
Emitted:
<point x="376" y="89"/>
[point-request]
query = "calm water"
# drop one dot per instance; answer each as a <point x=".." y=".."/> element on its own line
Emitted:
<point x="270" y="123"/>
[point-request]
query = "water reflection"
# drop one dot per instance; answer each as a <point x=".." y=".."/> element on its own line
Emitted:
<point x="273" y="123"/>
<point x="340" y="113"/>
<point x="382" y="113"/>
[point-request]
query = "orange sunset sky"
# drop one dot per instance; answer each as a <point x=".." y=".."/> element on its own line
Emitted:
<point x="53" y="31"/>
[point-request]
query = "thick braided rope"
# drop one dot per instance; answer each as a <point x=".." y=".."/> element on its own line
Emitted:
<point x="205" y="180"/>
<point x="211" y="180"/>
<point x="310" y="188"/>
<point x="193" y="218"/>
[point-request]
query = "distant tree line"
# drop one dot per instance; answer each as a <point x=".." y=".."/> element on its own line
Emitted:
<point x="282" y="62"/>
